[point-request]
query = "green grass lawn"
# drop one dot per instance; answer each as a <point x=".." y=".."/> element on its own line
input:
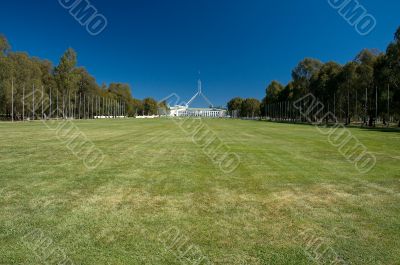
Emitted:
<point x="291" y="190"/>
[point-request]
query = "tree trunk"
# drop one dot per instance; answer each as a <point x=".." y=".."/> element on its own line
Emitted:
<point x="371" y="122"/>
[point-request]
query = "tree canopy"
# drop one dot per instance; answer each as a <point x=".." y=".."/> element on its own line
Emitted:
<point x="65" y="80"/>
<point x="357" y="88"/>
<point x="368" y="87"/>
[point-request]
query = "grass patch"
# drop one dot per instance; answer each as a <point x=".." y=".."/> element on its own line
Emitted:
<point x="153" y="177"/>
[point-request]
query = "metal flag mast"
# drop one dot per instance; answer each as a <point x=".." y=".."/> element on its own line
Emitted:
<point x="199" y="93"/>
<point x="184" y="109"/>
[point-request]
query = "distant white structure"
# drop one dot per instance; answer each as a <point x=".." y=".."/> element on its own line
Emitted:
<point x="109" y="117"/>
<point x="147" y="117"/>
<point x="186" y="111"/>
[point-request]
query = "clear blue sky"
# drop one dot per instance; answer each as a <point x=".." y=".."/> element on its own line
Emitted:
<point x="158" y="46"/>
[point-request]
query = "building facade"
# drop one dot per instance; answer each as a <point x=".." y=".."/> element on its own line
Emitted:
<point x="182" y="111"/>
<point x="187" y="111"/>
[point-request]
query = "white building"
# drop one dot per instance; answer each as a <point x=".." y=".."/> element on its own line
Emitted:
<point x="182" y="111"/>
<point x="186" y="111"/>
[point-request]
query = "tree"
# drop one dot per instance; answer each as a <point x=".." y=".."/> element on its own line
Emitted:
<point x="306" y="69"/>
<point x="6" y="72"/>
<point x="47" y="73"/>
<point x="273" y="91"/>
<point x="287" y="94"/>
<point x="250" y="108"/>
<point x="324" y="83"/>
<point x="263" y="107"/>
<point x="66" y="83"/>
<point x="27" y="72"/>
<point x="392" y="70"/>
<point x="122" y="91"/>
<point x="234" y="106"/>
<point x="135" y="107"/>
<point x="368" y="85"/>
<point x="382" y="77"/>
<point x="150" y="106"/>
<point x="84" y="83"/>
<point x="4" y="45"/>
<point x="365" y="61"/>
<point x="348" y="90"/>
<point x="302" y="75"/>
<point x="64" y="72"/>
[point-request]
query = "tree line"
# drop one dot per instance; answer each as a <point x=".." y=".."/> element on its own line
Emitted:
<point x="244" y="108"/>
<point x="365" y="90"/>
<point x="69" y="89"/>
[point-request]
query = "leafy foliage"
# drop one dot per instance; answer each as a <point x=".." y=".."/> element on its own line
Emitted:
<point x="66" y="80"/>
<point x="351" y="89"/>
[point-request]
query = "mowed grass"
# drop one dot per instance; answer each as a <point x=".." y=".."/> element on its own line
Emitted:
<point x="291" y="187"/>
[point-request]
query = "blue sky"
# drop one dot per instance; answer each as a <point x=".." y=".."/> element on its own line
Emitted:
<point x="159" y="46"/>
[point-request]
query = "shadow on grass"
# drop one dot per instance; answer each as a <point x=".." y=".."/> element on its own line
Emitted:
<point x="352" y="126"/>
<point x="378" y="129"/>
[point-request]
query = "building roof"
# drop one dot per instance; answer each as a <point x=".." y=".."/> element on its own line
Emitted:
<point x="204" y="109"/>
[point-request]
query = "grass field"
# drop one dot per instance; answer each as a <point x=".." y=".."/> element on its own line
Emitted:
<point x="291" y="189"/>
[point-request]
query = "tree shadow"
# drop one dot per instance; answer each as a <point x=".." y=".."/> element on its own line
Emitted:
<point x="382" y="129"/>
<point x="352" y="126"/>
